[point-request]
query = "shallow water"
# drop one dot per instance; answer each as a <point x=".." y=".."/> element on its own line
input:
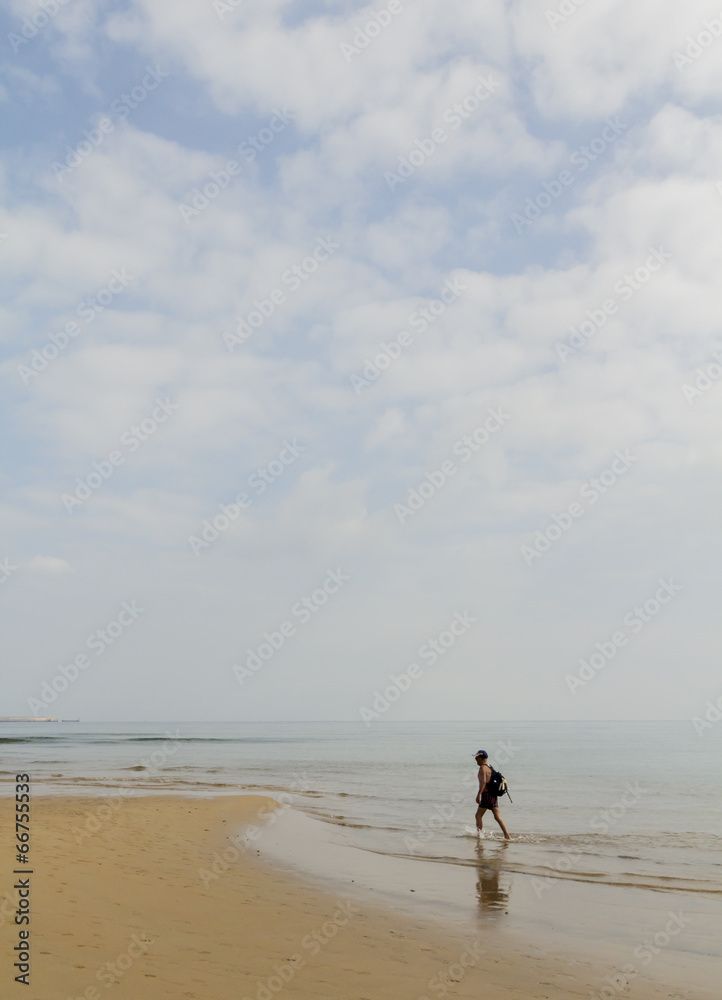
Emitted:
<point x="592" y="801"/>
<point x="604" y="846"/>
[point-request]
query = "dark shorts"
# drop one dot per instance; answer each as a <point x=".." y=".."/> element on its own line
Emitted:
<point x="488" y="801"/>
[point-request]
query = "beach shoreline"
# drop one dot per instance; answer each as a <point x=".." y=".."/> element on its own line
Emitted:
<point x="159" y="898"/>
<point x="518" y="907"/>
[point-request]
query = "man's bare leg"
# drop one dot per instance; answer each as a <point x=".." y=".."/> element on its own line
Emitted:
<point x="497" y="816"/>
<point x="479" y="814"/>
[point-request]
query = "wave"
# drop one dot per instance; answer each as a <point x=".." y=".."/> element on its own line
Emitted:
<point x="607" y="841"/>
<point x="345" y="821"/>
<point x="504" y="863"/>
<point x="21" y="739"/>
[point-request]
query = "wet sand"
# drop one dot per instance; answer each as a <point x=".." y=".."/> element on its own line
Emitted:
<point x="154" y="899"/>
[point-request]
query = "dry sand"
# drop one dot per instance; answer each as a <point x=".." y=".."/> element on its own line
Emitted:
<point x="127" y="914"/>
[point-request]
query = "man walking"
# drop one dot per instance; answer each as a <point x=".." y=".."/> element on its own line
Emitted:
<point x="485" y="797"/>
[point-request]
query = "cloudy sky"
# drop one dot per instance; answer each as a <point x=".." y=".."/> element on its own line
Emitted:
<point x="341" y="338"/>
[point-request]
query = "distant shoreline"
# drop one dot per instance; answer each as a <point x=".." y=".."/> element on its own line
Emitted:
<point x="30" y="718"/>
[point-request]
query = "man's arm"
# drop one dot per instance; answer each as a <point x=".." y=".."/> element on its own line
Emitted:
<point x="482" y="783"/>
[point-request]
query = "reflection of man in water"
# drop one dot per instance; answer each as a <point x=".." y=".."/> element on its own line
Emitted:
<point x="484" y="797"/>
<point x="491" y="895"/>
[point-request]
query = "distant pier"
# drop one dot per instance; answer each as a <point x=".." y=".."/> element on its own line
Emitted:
<point x="28" y="718"/>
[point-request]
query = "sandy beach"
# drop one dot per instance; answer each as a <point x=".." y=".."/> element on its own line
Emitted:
<point x="127" y="899"/>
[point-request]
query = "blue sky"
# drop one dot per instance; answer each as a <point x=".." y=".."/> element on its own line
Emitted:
<point x="330" y="126"/>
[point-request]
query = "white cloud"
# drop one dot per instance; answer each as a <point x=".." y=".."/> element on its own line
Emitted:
<point x="322" y="176"/>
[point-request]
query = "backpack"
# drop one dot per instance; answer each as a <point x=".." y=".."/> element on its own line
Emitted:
<point x="497" y="785"/>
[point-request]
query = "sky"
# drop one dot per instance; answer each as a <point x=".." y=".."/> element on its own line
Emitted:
<point x="360" y="362"/>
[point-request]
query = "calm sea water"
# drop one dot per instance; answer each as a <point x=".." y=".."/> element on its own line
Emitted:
<point x="616" y="827"/>
<point x="634" y="804"/>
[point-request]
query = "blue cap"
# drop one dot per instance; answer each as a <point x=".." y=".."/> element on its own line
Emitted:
<point x="481" y="753"/>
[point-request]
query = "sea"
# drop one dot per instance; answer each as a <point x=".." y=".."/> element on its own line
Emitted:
<point x="616" y="827"/>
